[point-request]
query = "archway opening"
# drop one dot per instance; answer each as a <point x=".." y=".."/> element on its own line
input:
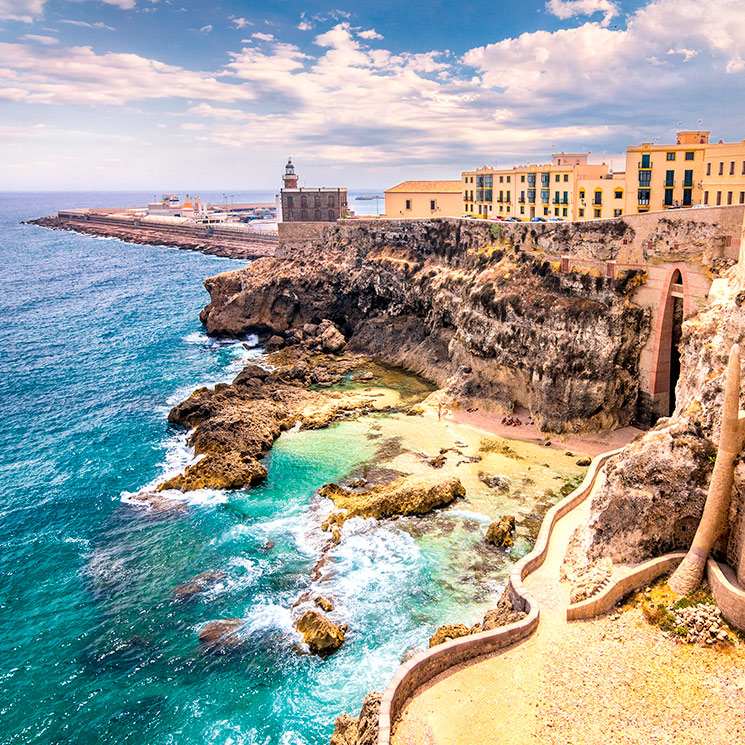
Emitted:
<point x="676" y="293"/>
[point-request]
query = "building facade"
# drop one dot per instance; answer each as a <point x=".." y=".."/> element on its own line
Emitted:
<point x="299" y="204"/>
<point x="424" y="199"/>
<point x="568" y="188"/>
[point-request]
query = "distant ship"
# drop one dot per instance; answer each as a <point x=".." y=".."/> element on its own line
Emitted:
<point x="368" y="197"/>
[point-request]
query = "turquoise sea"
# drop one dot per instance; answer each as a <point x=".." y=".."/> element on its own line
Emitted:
<point x="99" y="339"/>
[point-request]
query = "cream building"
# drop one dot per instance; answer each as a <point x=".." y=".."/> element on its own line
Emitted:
<point x="424" y="199"/>
<point x="724" y="174"/>
<point x="563" y="189"/>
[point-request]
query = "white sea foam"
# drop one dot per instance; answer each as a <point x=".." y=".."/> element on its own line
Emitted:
<point x="478" y="517"/>
<point x="266" y="616"/>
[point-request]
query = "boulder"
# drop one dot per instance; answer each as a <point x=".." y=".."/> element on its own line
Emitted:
<point x="584" y="462"/>
<point x="502" y="483"/>
<point x="220" y="636"/>
<point x="321" y="635"/>
<point x="407" y="495"/>
<point x="362" y="729"/>
<point x="197" y="584"/>
<point x="448" y="633"/>
<point x="499" y="533"/>
<point x="333" y="340"/>
<point x="310" y="329"/>
<point x="324" y="604"/>
<point x="250" y="372"/>
<point x="158" y="503"/>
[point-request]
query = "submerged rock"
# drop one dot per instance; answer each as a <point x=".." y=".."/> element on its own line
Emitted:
<point x="197" y="584"/>
<point x="362" y="729"/>
<point x="502" y="483"/>
<point x="499" y="533"/>
<point x="322" y="636"/>
<point x="158" y="502"/>
<point x="408" y="495"/>
<point x="220" y="636"/>
<point x="324" y="604"/>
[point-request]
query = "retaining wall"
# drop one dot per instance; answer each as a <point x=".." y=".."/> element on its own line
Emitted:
<point x="428" y="665"/>
<point x="729" y="596"/>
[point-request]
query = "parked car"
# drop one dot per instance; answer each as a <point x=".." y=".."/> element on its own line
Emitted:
<point x="537" y="219"/>
<point x="512" y="219"/>
<point x="555" y="219"/>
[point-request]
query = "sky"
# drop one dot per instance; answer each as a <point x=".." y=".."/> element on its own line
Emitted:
<point x="185" y="94"/>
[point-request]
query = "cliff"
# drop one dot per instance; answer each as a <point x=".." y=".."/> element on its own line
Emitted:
<point x="473" y="307"/>
<point x="655" y="491"/>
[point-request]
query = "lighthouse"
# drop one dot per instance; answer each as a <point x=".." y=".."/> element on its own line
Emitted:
<point x="290" y="177"/>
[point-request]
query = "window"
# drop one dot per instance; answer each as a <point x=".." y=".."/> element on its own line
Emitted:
<point x="289" y="214"/>
<point x="732" y="168"/>
<point x="531" y="179"/>
<point x="742" y="197"/>
<point x="668" y="197"/>
<point x="487" y="195"/>
<point x="479" y="209"/>
<point x="488" y="181"/>
<point x="479" y="182"/>
<point x="565" y="198"/>
<point x="688" y="179"/>
<point x="581" y="193"/>
<point x="646" y="160"/>
<point x="617" y="213"/>
<point x="719" y="198"/>
<point x="564" y="211"/>
<point x="687" y="197"/>
<point x="545" y="179"/>
<point x="303" y="201"/>
<point x="743" y="168"/>
<point x="645" y="178"/>
<point x="408" y="204"/>
<point x="566" y="176"/>
<point x="618" y="194"/>
<point x="501" y="196"/>
<point x="669" y="178"/>
<point x="522" y="179"/>
<point x="557" y="178"/>
<point x="507" y="197"/>
<point x="581" y="212"/>
<point x="508" y="178"/>
<point x="545" y="211"/>
<point x="706" y="197"/>
<point x="432" y="204"/>
<point x="332" y="215"/>
<point x="689" y="154"/>
<point x="545" y="195"/>
<point x="598" y="197"/>
<point x="598" y="213"/>
<point x="290" y="202"/>
<point x="522" y="210"/>
<point x="522" y="196"/>
<point x="708" y="168"/>
<point x="501" y="179"/>
<point x="303" y="215"/>
<point x="729" y="197"/>
<point x="531" y="196"/>
<point x="642" y="196"/>
<point x="318" y="214"/>
<point x="557" y="197"/>
<point x="721" y="168"/>
<point x="556" y="211"/>
<point x="671" y="156"/>
<point x="317" y="200"/>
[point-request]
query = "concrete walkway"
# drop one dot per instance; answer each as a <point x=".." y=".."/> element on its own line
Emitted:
<point x="459" y="705"/>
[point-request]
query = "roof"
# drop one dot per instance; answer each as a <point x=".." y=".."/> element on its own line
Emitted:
<point x="426" y="187"/>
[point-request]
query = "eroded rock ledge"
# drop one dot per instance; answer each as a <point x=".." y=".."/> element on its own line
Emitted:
<point x="492" y="321"/>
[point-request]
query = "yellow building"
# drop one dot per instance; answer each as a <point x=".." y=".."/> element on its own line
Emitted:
<point x="724" y="174"/>
<point x="563" y="189"/>
<point x="424" y="199"/>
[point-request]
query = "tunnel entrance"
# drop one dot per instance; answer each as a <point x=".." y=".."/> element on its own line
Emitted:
<point x="676" y="297"/>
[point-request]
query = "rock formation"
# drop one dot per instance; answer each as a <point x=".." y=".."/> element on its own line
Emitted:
<point x="197" y="584"/>
<point x="221" y="636"/>
<point x="407" y="495"/>
<point x="489" y="320"/>
<point x="690" y="571"/>
<point x="322" y="636"/>
<point x="362" y="729"/>
<point x="499" y="533"/>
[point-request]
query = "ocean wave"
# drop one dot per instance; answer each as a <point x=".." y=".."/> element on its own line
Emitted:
<point x="478" y="517"/>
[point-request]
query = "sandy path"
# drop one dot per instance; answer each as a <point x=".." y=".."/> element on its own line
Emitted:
<point x="609" y="680"/>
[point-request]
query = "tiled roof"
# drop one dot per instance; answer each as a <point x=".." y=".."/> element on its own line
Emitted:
<point x="426" y="187"/>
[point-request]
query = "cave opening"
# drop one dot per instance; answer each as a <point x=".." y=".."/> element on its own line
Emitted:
<point x="675" y="336"/>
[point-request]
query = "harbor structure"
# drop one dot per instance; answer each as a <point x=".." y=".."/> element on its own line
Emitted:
<point x="424" y="199"/>
<point x="301" y="204"/>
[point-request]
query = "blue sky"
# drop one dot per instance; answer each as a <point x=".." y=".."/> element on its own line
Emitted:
<point x="177" y="94"/>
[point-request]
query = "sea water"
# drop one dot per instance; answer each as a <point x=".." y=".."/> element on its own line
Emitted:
<point x="99" y="338"/>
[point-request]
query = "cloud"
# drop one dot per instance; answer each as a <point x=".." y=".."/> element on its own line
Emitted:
<point x="123" y="4"/>
<point x="26" y="11"/>
<point x="39" y="39"/>
<point x="369" y="34"/>
<point x="241" y="22"/>
<point x="262" y="37"/>
<point x="305" y="24"/>
<point x="85" y="24"/>
<point x="569" y="8"/>
<point x="206" y="29"/>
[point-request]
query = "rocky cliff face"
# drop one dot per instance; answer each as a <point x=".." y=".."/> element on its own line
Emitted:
<point x="655" y="491"/>
<point x="468" y="307"/>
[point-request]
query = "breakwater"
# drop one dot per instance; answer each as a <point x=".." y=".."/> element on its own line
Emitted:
<point x="229" y="241"/>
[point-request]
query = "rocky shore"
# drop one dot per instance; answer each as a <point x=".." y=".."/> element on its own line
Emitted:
<point x="231" y="248"/>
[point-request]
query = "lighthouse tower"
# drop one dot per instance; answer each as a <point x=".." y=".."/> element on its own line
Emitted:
<point x="290" y="177"/>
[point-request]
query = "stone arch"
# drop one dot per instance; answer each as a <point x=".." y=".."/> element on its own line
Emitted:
<point x="675" y="305"/>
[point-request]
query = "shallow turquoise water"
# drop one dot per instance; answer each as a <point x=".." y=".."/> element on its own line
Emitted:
<point x="99" y="338"/>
